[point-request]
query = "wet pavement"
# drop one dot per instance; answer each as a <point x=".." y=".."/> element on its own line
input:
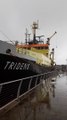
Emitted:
<point x="47" y="102"/>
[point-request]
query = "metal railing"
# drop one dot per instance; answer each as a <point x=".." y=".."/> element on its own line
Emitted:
<point x="13" y="90"/>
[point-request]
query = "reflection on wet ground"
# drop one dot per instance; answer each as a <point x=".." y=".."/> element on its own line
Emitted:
<point x="47" y="102"/>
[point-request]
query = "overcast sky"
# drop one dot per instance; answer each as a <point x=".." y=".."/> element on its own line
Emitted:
<point x="17" y="15"/>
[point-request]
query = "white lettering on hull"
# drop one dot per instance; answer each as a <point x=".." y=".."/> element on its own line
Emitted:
<point x="16" y="66"/>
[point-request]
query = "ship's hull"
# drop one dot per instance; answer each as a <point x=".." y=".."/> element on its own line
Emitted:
<point x="13" y="68"/>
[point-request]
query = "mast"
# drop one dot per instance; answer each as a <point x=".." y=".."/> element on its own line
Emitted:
<point x="26" y="34"/>
<point x="34" y="27"/>
<point x="29" y="37"/>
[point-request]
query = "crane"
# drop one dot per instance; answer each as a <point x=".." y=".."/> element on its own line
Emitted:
<point x="48" y="39"/>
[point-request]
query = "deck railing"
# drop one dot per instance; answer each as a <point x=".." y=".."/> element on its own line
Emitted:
<point x="13" y="90"/>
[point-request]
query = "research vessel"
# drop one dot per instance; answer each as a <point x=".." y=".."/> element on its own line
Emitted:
<point x="24" y="60"/>
<point x="24" y="66"/>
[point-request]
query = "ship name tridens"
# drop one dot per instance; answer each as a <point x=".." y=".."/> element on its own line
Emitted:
<point x="16" y="66"/>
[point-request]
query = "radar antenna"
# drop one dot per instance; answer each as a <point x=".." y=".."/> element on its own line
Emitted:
<point x="40" y="38"/>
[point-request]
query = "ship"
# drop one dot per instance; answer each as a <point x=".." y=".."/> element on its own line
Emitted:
<point x="24" y="66"/>
<point x="23" y="60"/>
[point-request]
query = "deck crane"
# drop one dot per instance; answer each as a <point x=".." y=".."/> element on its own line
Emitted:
<point x="48" y="39"/>
<point x="52" y="52"/>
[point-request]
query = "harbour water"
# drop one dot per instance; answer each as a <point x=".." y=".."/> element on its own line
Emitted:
<point x="47" y="102"/>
